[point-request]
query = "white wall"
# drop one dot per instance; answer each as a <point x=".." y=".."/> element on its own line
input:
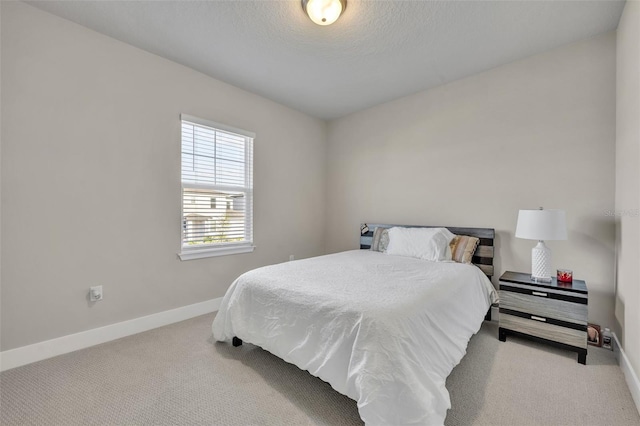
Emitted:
<point x="537" y="132"/>
<point x="91" y="179"/>
<point x="628" y="181"/>
<point x="90" y="144"/>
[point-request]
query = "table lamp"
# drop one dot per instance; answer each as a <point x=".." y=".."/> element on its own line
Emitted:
<point x="541" y="225"/>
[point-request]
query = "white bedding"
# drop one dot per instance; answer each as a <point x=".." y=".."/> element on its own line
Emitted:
<point x="384" y="330"/>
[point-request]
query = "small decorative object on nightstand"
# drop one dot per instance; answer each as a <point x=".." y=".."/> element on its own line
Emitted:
<point x="565" y="276"/>
<point x="554" y="313"/>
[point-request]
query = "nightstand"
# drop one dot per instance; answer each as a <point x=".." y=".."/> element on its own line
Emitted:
<point x="554" y="313"/>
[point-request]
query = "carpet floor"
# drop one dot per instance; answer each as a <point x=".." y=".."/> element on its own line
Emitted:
<point x="177" y="375"/>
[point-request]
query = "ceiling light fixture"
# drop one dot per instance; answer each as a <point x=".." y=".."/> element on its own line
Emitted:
<point x="324" y="12"/>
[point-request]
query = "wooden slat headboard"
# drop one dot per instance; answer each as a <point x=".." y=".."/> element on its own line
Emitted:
<point x="482" y="258"/>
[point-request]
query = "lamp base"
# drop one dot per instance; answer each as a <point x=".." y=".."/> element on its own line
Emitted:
<point x="541" y="263"/>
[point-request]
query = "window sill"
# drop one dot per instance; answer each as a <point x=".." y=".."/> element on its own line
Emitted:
<point x="212" y="252"/>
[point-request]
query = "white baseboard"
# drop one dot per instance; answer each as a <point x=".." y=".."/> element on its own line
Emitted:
<point x="72" y="342"/>
<point x="629" y="374"/>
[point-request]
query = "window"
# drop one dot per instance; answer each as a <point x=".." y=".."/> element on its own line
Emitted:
<point x="217" y="174"/>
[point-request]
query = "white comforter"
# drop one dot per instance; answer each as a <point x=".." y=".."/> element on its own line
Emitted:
<point x="384" y="330"/>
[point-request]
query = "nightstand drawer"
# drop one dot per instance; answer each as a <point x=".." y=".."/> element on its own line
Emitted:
<point x="540" y="328"/>
<point x="540" y="303"/>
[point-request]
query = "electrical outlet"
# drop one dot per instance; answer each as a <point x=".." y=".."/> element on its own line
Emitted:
<point x="291" y="257"/>
<point x="95" y="293"/>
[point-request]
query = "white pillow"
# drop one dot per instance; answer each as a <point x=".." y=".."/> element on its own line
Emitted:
<point x="450" y="235"/>
<point x="421" y="243"/>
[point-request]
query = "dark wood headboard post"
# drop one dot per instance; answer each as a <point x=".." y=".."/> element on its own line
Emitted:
<point x="482" y="258"/>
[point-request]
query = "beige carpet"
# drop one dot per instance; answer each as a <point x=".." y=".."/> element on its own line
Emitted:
<point x="177" y="375"/>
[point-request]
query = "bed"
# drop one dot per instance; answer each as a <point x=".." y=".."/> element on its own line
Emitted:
<point x="381" y="329"/>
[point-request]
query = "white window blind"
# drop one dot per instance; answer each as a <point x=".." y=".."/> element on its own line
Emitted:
<point x="217" y="189"/>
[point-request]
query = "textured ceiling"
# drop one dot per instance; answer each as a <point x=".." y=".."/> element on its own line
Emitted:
<point x="377" y="51"/>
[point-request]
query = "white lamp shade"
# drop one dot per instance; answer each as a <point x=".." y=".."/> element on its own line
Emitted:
<point x="542" y="225"/>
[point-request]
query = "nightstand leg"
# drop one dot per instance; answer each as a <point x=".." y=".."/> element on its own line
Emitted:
<point x="582" y="357"/>
<point x="502" y="334"/>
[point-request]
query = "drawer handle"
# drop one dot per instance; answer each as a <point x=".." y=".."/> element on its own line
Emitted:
<point x="533" y="317"/>
<point x="537" y="293"/>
